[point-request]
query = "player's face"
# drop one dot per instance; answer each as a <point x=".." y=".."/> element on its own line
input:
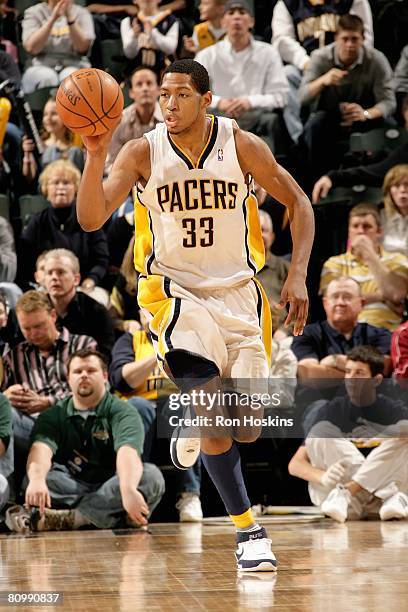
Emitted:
<point x="348" y="45"/>
<point x="399" y="194"/>
<point x="181" y="104"/>
<point x="59" y="278"/>
<point x="144" y="90"/>
<point x="364" y="225"/>
<point x="342" y="302"/>
<point x="86" y="377"/>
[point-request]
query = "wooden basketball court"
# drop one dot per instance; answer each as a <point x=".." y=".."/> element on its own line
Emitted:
<point x="323" y="566"/>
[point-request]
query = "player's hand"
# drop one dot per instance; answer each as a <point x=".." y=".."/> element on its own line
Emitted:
<point x="37" y="494"/>
<point x="135" y="505"/>
<point x="334" y="76"/>
<point x="333" y="474"/>
<point x="321" y="188"/>
<point x="294" y="292"/>
<point x="97" y="146"/>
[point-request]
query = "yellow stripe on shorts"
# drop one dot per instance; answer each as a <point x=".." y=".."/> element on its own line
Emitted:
<point x="143" y="253"/>
<point x="265" y="321"/>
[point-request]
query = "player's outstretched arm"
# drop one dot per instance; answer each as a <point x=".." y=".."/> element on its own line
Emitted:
<point x="256" y="159"/>
<point x="98" y="199"/>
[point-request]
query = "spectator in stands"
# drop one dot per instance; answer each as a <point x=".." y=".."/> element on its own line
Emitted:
<point x="35" y="374"/>
<point x="119" y="233"/>
<point x="383" y="276"/>
<point x="5" y="448"/>
<point x="247" y="75"/>
<point x="136" y="376"/>
<point x="298" y="28"/>
<point x="124" y="308"/>
<point x="322" y="349"/>
<point x="342" y="481"/>
<point x="399" y="353"/>
<point x="58" y="143"/>
<point x="85" y="458"/>
<point x="273" y="274"/>
<point x="57" y="34"/>
<point x="141" y="116"/>
<point x="210" y="30"/>
<point x="76" y="311"/>
<point x="57" y="227"/>
<point x="395" y="213"/>
<point x="10" y="333"/>
<point x="348" y="87"/>
<point x="8" y="263"/>
<point x="39" y="272"/>
<point x="10" y="148"/>
<point x="401" y="75"/>
<point x="150" y="37"/>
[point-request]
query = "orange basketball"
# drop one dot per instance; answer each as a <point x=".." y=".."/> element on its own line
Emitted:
<point x="89" y="101"/>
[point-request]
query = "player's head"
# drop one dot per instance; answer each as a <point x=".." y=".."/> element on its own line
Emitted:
<point x="363" y="373"/>
<point x="184" y="94"/>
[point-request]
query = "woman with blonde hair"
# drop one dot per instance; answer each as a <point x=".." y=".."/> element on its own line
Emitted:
<point x="57" y="227"/>
<point x="395" y="213"/>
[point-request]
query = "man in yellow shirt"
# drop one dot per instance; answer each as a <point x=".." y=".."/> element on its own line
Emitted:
<point x="382" y="276"/>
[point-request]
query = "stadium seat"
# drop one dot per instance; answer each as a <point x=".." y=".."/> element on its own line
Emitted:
<point x="29" y="205"/>
<point x="37" y="100"/>
<point x="381" y="139"/>
<point x="4" y="206"/>
<point x="22" y="5"/>
<point x="112" y="58"/>
<point x="353" y="195"/>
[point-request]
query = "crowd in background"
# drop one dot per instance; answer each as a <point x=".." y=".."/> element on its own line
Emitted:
<point x="312" y="80"/>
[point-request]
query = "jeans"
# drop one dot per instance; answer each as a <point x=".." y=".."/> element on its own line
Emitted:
<point x="291" y="112"/>
<point x="37" y="77"/>
<point x="188" y="481"/>
<point x="22" y="426"/>
<point x="101" y="503"/>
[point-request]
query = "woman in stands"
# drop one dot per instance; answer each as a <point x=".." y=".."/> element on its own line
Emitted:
<point x="58" y="142"/>
<point x="395" y="213"/>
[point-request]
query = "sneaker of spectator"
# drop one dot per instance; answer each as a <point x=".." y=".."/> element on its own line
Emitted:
<point x="57" y="35"/>
<point x="189" y="508"/>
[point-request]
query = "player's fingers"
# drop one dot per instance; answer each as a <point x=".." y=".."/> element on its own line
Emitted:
<point x="301" y="317"/>
<point x="291" y="314"/>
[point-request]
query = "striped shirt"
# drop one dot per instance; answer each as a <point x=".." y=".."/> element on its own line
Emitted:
<point x="46" y="375"/>
<point x="375" y="313"/>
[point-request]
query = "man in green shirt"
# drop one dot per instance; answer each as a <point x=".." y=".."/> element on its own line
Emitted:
<point x="85" y="456"/>
<point x="6" y="449"/>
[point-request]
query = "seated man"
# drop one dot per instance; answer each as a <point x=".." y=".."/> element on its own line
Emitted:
<point x="35" y="374"/>
<point x="76" y="311"/>
<point x="6" y="449"/>
<point x="322" y="349"/>
<point x="136" y="376"/>
<point x="342" y="480"/>
<point x="348" y="86"/>
<point x="85" y="457"/>
<point x="382" y="276"/>
<point x="247" y="75"/>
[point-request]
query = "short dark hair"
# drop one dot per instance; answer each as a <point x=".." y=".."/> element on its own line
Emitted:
<point x="199" y="74"/>
<point x="351" y="22"/>
<point x="368" y="355"/>
<point x="138" y="69"/>
<point x="84" y="353"/>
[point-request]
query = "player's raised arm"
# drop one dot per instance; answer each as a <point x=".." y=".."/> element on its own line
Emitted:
<point x="256" y="159"/>
<point x="98" y="199"/>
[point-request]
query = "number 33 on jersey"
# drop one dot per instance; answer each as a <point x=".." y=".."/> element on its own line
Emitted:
<point x="198" y="224"/>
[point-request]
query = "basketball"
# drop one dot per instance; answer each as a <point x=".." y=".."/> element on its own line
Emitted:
<point x="89" y="101"/>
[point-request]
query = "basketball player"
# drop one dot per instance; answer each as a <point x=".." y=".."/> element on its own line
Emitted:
<point x="198" y="246"/>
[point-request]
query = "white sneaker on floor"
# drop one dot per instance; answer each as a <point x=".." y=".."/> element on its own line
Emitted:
<point x="18" y="519"/>
<point x="395" y="507"/>
<point x="189" y="507"/>
<point x="254" y="552"/>
<point x="336" y="504"/>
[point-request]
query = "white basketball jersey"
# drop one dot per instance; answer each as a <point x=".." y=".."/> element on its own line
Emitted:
<point x="198" y="224"/>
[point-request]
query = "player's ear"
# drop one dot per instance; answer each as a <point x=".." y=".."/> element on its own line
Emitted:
<point x="207" y="99"/>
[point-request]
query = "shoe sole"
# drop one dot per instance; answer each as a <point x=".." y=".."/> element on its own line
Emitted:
<point x="387" y="516"/>
<point x="336" y="517"/>
<point x="173" y="451"/>
<point x="264" y="566"/>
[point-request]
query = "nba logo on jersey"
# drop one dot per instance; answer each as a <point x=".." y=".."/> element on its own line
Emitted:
<point x="220" y="154"/>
